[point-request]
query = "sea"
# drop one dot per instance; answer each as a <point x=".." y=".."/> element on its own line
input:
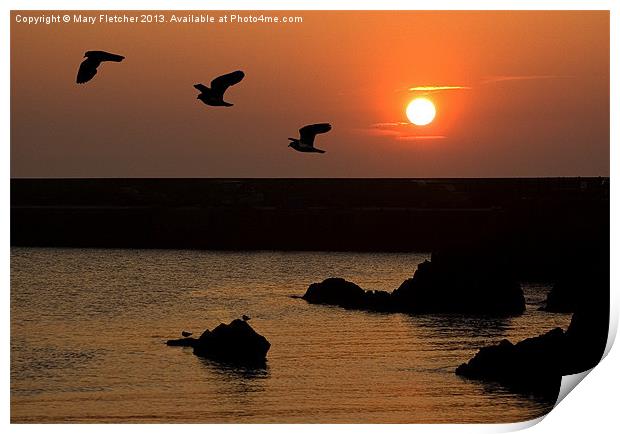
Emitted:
<point x="89" y="326"/>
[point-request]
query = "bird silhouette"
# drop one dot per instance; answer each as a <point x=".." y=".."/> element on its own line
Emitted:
<point x="88" y="68"/>
<point x="186" y="334"/>
<point x="305" y="143"/>
<point x="214" y="96"/>
<point x="245" y="318"/>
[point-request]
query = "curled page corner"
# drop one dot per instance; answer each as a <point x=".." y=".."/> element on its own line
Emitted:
<point x="569" y="382"/>
<point x="519" y="426"/>
<point x="613" y="328"/>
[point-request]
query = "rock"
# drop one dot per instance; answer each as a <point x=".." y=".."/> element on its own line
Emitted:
<point x="448" y="283"/>
<point x="340" y="292"/>
<point x="462" y="282"/>
<point x="536" y="365"/>
<point x="335" y="291"/>
<point x="587" y="337"/>
<point x="589" y="328"/>
<point x="235" y="342"/>
<point x="588" y="281"/>
<point x="532" y="365"/>
<point x="564" y="295"/>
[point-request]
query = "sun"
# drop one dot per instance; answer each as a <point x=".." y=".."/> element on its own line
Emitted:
<point x="421" y="111"/>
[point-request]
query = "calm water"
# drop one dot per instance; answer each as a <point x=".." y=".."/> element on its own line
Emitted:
<point x="88" y="328"/>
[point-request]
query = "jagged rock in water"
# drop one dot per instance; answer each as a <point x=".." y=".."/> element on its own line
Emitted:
<point x="235" y="342"/>
<point x="532" y="365"/>
<point x="462" y="283"/>
<point x="586" y="283"/>
<point x="536" y="365"/>
<point x="448" y="283"/>
<point x="563" y="296"/>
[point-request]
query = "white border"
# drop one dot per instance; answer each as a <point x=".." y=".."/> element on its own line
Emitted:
<point x="592" y="407"/>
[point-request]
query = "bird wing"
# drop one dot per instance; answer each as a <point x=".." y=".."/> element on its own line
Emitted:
<point x="202" y="88"/>
<point x="88" y="69"/>
<point x="307" y="133"/>
<point x="223" y="82"/>
<point x="104" y="56"/>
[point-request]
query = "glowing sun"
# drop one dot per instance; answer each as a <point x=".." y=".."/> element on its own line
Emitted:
<point x="421" y="111"/>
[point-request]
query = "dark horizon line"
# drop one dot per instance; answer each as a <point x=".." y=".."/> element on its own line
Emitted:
<point x="311" y="178"/>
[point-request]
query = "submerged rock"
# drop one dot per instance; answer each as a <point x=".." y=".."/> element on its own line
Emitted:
<point x="235" y="342"/>
<point x="448" y="283"/>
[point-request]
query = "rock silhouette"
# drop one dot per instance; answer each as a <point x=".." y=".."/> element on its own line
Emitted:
<point x="536" y="365"/>
<point x="88" y="68"/>
<point x="562" y="297"/>
<point x="583" y="287"/>
<point x="463" y="282"/>
<point x="448" y="283"/>
<point x="236" y="342"/>
<point x="532" y="365"/>
<point x="340" y="292"/>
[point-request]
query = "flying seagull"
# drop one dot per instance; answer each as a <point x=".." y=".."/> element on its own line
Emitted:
<point x="305" y="143"/>
<point x="214" y="96"/>
<point x="186" y="334"/>
<point x="89" y="66"/>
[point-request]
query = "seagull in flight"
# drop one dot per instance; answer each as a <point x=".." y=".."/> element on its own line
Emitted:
<point x="214" y="96"/>
<point x="88" y="68"/>
<point x="305" y="143"/>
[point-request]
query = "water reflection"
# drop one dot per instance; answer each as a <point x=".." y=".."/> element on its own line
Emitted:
<point x="249" y="371"/>
<point x="493" y="388"/>
<point x="241" y="388"/>
<point x="460" y="325"/>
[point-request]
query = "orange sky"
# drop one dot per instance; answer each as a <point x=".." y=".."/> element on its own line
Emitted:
<point x="534" y="102"/>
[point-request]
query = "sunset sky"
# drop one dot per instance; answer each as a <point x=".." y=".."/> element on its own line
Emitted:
<point x="516" y="94"/>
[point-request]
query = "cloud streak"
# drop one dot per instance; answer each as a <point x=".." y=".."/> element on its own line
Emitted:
<point x="436" y="88"/>
<point x="389" y="125"/>
<point x="415" y="138"/>
<point x="487" y="80"/>
<point x="398" y="131"/>
<point x="503" y="78"/>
